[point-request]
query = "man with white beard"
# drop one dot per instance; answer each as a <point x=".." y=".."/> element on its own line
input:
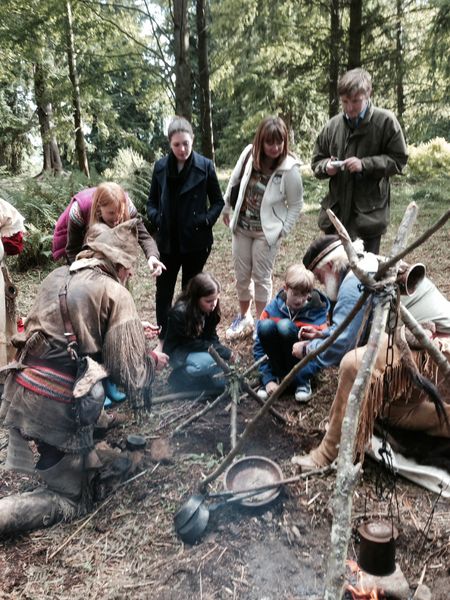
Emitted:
<point x="327" y="259"/>
<point x="409" y="406"/>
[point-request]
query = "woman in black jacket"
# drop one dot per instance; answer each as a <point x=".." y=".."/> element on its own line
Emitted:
<point x="183" y="204"/>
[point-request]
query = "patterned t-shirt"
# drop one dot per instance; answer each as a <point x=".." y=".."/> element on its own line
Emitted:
<point x="250" y="213"/>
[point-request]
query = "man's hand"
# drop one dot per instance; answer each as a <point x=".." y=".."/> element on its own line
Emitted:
<point x="150" y="331"/>
<point x="353" y="165"/>
<point x="163" y="360"/>
<point x="308" y="332"/>
<point x="299" y="349"/>
<point x="156" y="266"/>
<point x="226" y="218"/>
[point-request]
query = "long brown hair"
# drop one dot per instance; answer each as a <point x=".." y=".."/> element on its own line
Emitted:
<point x="200" y="286"/>
<point x="271" y="129"/>
<point x="109" y="194"/>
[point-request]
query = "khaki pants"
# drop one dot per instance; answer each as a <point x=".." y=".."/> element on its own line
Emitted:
<point x="409" y="407"/>
<point x="253" y="261"/>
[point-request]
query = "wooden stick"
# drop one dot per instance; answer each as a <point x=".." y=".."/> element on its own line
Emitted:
<point x="347" y="473"/>
<point x="251" y="392"/>
<point x="418" y="332"/>
<point x="201" y="412"/>
<point x="175" y="396"/>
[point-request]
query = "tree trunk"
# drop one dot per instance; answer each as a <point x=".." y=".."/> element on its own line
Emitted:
<point x="354" y="34"/>
<point x="80" y="144"/>
<point x="183" y="92"/>
<point x="52" y="159"/>
<point x="206" y="131"/>
<point x="334" y="63"/>
<point x="400" y="64"/>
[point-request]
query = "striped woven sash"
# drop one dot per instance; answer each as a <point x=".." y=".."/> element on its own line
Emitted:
<point x="47" y="382"/>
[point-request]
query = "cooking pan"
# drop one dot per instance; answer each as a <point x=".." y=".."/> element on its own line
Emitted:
<point x="191" y="519"/>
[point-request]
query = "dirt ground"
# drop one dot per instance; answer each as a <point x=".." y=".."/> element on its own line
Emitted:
<point x="128" y="547"/>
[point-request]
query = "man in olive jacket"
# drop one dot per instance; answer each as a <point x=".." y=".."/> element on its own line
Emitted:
<point x="358" y="151"/>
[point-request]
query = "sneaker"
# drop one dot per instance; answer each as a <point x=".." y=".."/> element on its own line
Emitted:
<point x="262" y="394"/>
<point x="240" y="327"/>
<point x="303" y="393"/>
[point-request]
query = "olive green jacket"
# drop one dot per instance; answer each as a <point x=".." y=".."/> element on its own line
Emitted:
<point x="360" y="200"/>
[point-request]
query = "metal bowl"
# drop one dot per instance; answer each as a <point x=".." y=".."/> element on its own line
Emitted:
<point x="250" y="472"/>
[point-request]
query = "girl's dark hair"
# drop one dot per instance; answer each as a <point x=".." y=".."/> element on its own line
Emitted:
<point x="271" y="129"/>
<point x="200" y="286"/>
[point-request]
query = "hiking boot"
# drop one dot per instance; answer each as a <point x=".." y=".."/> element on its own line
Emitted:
<point x="241" y="327"/>
<point x="303" y="393"/>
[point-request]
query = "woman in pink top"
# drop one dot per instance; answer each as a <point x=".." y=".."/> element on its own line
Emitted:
<point x="107" y="203"/>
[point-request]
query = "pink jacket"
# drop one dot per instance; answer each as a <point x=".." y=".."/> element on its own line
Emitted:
<point x="84" y="199"/>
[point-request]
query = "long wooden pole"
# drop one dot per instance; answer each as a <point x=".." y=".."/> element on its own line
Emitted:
<point x="347" y="473"/>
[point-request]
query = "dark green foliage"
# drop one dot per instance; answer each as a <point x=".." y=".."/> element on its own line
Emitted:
<point x="41" y="201"/>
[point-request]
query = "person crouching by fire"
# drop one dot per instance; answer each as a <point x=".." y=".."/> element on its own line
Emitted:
<point x="83" y="327"/>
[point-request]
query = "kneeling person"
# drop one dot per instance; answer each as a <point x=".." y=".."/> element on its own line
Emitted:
<point x="296" y="307"/>
<point x="38" y="403"/>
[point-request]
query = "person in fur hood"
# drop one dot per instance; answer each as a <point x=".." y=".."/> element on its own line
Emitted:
<point x="85" y="307"/>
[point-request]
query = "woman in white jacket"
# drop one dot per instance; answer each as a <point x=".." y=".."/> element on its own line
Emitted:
<point x="268" y="203"/>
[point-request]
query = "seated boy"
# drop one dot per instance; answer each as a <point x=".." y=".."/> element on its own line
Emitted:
<point x="298" y="305"/>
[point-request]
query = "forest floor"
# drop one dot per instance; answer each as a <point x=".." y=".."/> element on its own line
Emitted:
<point x="129" y="548"/>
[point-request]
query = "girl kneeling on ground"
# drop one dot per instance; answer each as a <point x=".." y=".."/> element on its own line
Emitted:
<point x="191" y="330"/>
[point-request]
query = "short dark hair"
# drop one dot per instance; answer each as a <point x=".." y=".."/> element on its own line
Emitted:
<point x="354" y="81"/>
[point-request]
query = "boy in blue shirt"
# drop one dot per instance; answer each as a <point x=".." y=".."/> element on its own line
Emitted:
<point x="296" y="306"/>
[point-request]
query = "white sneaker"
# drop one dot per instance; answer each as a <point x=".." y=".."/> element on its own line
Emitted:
<point x="241" y="327"/>
<point x="303" y="393"/>
<point x="261" y="393"/>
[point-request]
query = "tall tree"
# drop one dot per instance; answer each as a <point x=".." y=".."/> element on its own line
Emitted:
<point x="206" y="131"/>
<point x="399" y="63"/>
<point x="334" y="61"/>
<point x="183" y="91"/>
<point x="80" y="144"/>
<point x="355" y="34"/>
<point x="52" y="158"/>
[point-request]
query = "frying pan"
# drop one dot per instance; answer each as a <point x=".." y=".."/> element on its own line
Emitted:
<point x="191" y="519"/>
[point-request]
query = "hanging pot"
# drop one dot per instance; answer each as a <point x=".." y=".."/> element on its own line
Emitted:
<point x="377" y="547"/>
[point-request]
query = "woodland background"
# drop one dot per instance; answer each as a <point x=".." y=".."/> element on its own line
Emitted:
<point x="87" y="86"/>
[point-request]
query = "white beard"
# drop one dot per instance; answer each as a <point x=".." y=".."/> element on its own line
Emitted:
<point x="331" y="285"/>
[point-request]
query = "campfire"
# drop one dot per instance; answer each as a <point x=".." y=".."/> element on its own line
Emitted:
<point x="361" y="589"/>
<point x="364" y="586"/>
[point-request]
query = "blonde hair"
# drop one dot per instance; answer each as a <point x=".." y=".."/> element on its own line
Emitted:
<point x="298" y="278"/>
<point x="109" y="194"/>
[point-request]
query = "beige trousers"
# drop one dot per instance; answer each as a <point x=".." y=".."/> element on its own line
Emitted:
<point x="409" y="407"/>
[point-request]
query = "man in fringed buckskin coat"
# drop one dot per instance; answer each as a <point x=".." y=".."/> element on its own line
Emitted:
<point x="38" y="405"/>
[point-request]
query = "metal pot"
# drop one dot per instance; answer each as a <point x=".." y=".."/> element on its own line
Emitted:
<point x="377" y="547"/>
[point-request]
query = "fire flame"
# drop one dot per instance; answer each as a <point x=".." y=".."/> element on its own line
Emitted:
<point x="360" y="592"/>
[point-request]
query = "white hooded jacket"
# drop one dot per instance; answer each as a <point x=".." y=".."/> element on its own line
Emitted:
<point x="282" y="201"/>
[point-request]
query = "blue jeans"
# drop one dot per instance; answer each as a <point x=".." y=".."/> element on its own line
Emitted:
<point x="277" y="339"/>
<point x="197" y="373"/>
